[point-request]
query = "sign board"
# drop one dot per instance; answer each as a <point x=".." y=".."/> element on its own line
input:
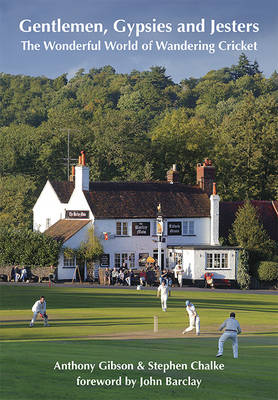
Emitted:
<point x="105" y="260"/>
<point x="159" y="227"/>
<point x="174" y="228"/>
<point x="141" y="228"/>
<point x="77" y="214"/>
<point x="143" y="259"/>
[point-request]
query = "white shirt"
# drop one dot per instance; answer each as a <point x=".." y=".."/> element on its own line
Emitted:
<point x="163" y="290"/>
<point x="231" y="325"/>
<point x="39" y="307"/>
<point x="178" y="270"/>
<point x="191" y="310"/>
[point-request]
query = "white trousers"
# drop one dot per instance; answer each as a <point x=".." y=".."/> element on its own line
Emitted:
<point x="194" y="322"/>
<point x="180" y="279"/>
<point x="35" y="317"/>
<point x="222" y="340"/>
<point x="164" y="302"/>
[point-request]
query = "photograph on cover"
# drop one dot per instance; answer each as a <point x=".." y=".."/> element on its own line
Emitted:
<point x="138" y="199"/>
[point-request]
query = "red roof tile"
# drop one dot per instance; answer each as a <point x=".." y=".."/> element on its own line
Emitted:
<point x="64" y="229"/>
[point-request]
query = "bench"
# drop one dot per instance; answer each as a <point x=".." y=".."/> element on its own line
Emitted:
<point x="222" y="282"/>
<point x="32" y="273"/>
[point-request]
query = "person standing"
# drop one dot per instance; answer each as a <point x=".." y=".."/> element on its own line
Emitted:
<point x="194" y="319"/>
<point x="178" y="273"/>
<point x="232" y="329"/>
<point x="163" y="291"/>
<point x="39" y="308"/>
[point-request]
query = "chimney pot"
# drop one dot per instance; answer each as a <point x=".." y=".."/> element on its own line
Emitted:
<point x="214" y="189"/>
<point x="83" y="157"/>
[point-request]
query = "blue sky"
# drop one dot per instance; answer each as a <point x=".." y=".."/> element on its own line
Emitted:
<point x="179" y="65"/>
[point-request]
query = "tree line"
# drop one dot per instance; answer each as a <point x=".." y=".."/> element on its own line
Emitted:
<point x="134" y="126"/>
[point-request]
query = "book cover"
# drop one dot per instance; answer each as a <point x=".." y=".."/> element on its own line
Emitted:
<point x="139" y="86"/>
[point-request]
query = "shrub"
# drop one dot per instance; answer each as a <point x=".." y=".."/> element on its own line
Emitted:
<point x="243" y="277"/>
<point x="268" y="271"/>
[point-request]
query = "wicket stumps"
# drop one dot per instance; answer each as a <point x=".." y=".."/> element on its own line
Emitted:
<point x="155" y="323"/>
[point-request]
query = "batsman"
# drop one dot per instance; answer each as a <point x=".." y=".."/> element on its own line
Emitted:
<point x="39" y="308"/>
<point x="194" y="319"/>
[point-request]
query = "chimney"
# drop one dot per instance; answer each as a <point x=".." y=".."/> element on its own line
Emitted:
<point x="214" y="217"/>
<point x="206" y="176"/>
<point x="82" y="174"/>
<point x="173" y="175"/>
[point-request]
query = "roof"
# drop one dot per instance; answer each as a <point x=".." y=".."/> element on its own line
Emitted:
<point x="64" y="229"/>
<point x="203" y="247"/>
<point x="266" y="210"/>
<point x="140" y="200"/>
<point x="63" y="190"/>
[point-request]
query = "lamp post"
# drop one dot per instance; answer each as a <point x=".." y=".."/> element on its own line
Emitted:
<point x="159" y="231"/>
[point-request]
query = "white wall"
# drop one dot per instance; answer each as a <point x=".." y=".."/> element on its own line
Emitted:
<point x="48" y="205"/>
<point x="73" y="243"/>
<point x="78" y="202"/>
<point x="147" y="244"/>
<point x="201" y="236"/>
<point x="219" y="273"/>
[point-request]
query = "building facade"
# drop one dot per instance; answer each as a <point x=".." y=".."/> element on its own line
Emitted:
<point x="125" y="219"/>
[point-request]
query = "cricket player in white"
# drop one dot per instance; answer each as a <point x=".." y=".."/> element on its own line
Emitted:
<point x="194" y="319"/>
<point x="39" y="308"/>
<point x="232" y="329"/>
<point x="163" y="290"/>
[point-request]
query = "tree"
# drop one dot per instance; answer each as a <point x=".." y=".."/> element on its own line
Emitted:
<point x="17" y="197"/>
<point x="243" y="277"/>
<point x="25" y="247"/>
<point x="248" y="233"/>
<point x="92" y="248"/>
<point x="244" y="67"/>
<point x="246" y="150"/>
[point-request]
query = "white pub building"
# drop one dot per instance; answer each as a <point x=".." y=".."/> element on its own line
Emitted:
<point x="125" y="219"/>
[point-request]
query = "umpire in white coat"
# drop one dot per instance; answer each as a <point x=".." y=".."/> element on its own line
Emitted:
<point x="39" y="308"/>
<point x="232" y="329"/>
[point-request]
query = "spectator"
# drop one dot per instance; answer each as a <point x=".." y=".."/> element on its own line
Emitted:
<point x="115" y="276"/>
<point x="170" y="282"/>
<point x="150" y="277"/>
<point x="23" y="275"/>
<point x="163" y="277"/>
<point x="142" y="276"/>
<point x="130" y="277"/>
<point x="121" y="277"/>
<point x="107" y="277"/>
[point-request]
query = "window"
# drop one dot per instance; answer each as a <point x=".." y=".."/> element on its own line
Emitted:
<point x="188" y="228"/>
<point x="117" y="260"/>
<point x="69" y="261"/>
<point x="132" y="260"/>
<point x="47" y="223"/>
<point x="121" y="228"/>
<point x="217" y="260"/>
<point x="124" y="258"/>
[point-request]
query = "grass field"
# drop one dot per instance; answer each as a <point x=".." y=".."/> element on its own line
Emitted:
<point x="94" y="325"/>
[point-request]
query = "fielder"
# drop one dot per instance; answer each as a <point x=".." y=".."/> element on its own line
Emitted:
<point x="163" y="290"/>
<point x="39" y="308"/>
<point x="194" y="319"/>
<point x="232" y="329"/>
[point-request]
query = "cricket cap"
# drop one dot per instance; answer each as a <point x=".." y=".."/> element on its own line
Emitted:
<point x="187" y="303"/>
